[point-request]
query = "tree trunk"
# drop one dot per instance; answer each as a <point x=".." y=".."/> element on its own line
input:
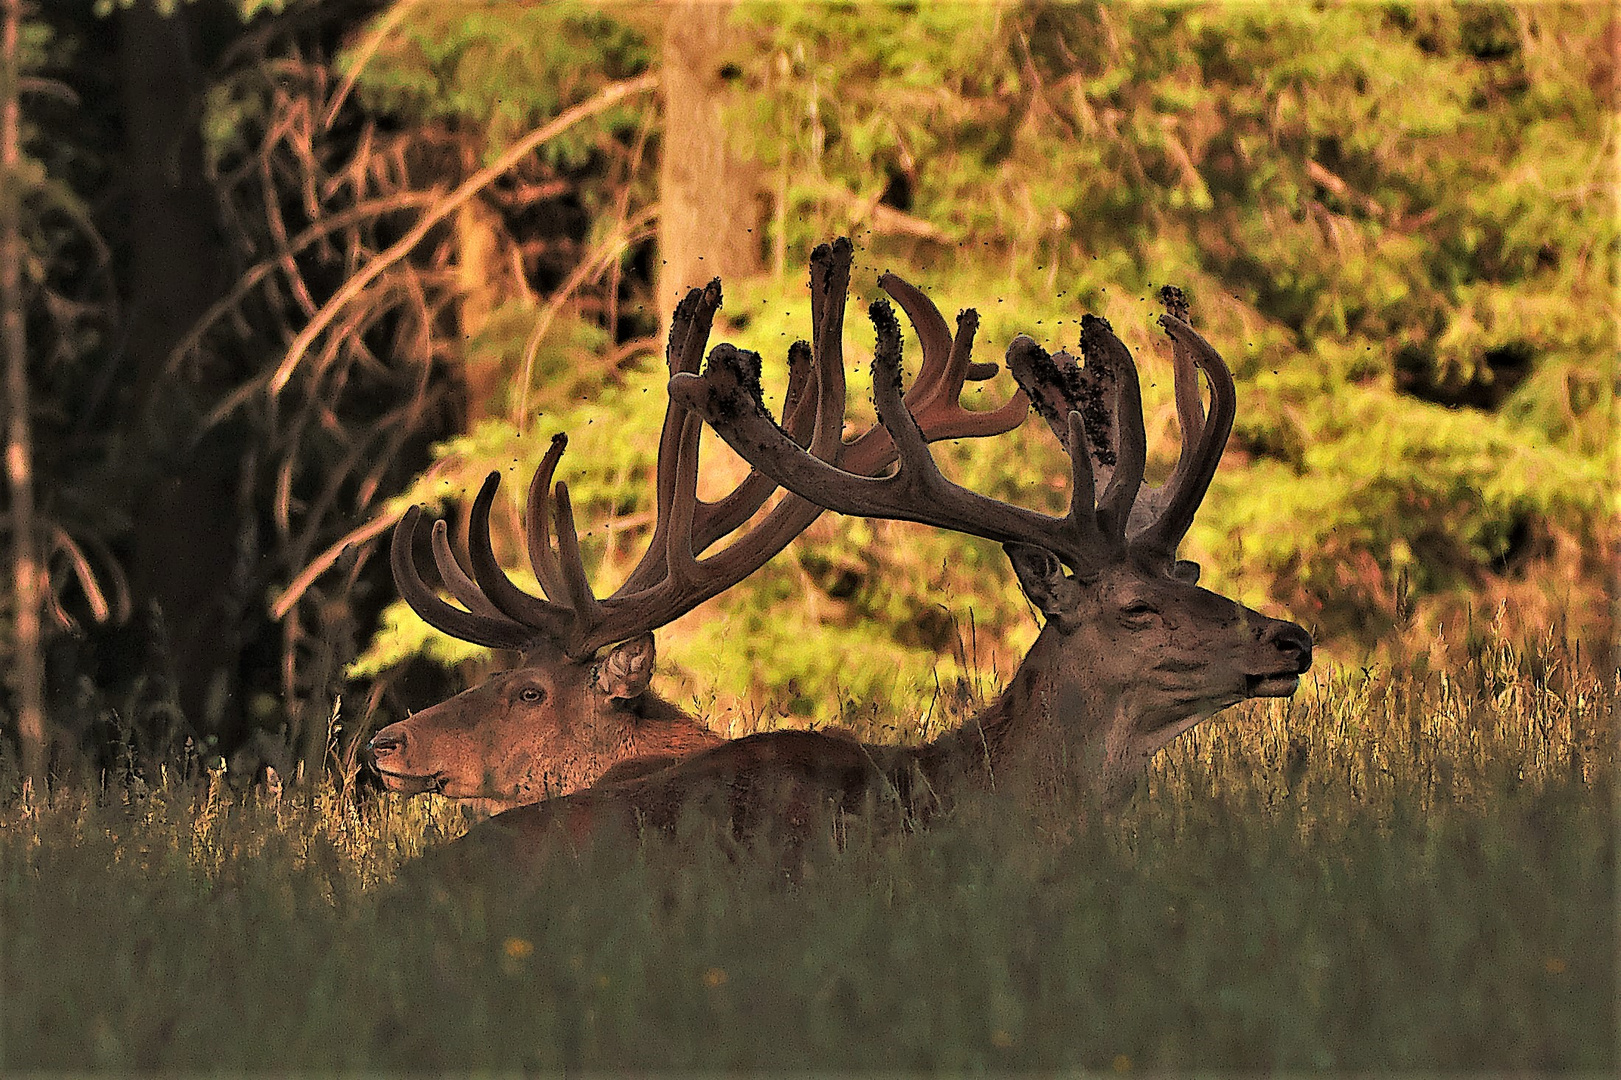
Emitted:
<point x="710" y="209"/>
<point x="187" y="524"/>
<point x="485" y="278"/>
<point x="28" y="665"/>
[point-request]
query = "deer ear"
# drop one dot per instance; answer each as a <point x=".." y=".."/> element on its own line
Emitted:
<point x="1042" y="577"/>
<point x="1185" y="571"/>
<point x="627" y="669"/>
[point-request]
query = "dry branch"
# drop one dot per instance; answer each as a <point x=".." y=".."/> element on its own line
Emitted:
<point x="475" y="183"/>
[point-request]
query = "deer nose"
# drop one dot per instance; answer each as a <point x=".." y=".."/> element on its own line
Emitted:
<point x="384" y="743"/>
<point x="1294" y="643"/>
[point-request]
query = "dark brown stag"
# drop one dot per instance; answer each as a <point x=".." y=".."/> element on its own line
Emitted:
<point x="570" y="712"/>
<point x="1132" y="653"/>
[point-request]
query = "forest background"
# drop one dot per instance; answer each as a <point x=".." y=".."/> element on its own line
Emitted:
<point x="283" y="269"/>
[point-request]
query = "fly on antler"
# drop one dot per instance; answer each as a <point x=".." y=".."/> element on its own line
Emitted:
<point x="565" y="717"/>
<point x="1132" y="652"/>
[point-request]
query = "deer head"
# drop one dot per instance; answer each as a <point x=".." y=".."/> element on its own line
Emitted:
<point x="579" y="703"/>
<point x="1133" y="652"/>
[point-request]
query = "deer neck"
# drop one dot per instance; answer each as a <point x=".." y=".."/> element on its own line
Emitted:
<point x="662" y="727"/>
<point x="1031" y="736"/>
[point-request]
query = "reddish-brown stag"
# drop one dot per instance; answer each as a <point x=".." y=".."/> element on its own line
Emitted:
<point x="1132" y="652"/>
<point x="578" y="705"/>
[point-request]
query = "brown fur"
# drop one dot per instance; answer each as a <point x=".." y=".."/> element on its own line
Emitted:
<point x="494" y="748"/>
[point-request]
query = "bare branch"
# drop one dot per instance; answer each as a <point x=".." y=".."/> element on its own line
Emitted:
<point x="356" y="284"/>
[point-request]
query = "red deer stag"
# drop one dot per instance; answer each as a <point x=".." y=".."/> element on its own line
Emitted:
<point x="565" y="716"/>
<point x="1132" y="653"/>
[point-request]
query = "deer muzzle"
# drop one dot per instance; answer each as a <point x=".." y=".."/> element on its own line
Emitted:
<point x="1291" y="646"/>
<point x="385" y="752"/>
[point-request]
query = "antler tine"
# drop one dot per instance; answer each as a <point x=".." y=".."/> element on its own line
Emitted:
<point x="689" y="330"/>
<point x="1166" y="531"/>
<point x="829" y="280"/>
<point x="1107" y="357"/>
<point x="458" y="538"/>
<point x="935" y="397"/>
<point x="452" y="561"/>
<point x="1190" y="414"/>
<point x="682" y="566"/>
<point x="494" y="631"/>
<point x="940" y="413"/>
<point x="537" y="528"/>
<point x="830" y="266"/>
<point x="577" y="592"/>
<point x="1041" y="378"/>
<point x="1190" y="420"/>
<point x="918" y="472"/>
<point x="727" y="515"/>
<point x="947" y="364"/>
<point x="461" y="586"/>
<point x="1082" y="513"/>
<point x="799" y="402"/>
<point x="530" y="611"/>
<point x="932" y="334"/>
<point x="689" y="333"/>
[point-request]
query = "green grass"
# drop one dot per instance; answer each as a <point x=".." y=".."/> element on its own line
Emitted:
<point x="1408" y="869"/>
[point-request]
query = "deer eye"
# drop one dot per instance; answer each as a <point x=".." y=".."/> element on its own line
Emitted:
<point x="531" y="695"/>
<point x="1138" y="612"/>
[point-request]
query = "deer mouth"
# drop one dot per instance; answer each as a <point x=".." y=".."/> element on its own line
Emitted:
<point x="1276" y="684"/>
<point x="411" y="783"/>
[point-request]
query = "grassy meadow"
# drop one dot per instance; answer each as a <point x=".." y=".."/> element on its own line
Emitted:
<point x="1408" y="867"/>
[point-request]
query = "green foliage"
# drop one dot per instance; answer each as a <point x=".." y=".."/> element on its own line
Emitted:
<point x="1354" y="491"/>
<point x="1408" y="868"/>
<point x="846" y="95"/>
<point x="502" y="69"/>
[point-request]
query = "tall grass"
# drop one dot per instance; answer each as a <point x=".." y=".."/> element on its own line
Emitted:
<point x="1400" y="868"/>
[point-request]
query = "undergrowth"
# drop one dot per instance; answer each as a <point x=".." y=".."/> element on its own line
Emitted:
<point x="1408" y="867"/>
